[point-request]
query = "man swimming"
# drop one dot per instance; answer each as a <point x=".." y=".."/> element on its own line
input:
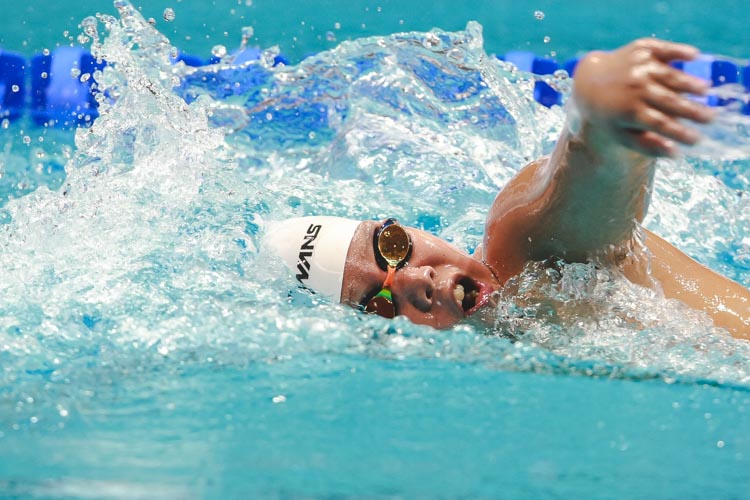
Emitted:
<point x="584" y="202"/>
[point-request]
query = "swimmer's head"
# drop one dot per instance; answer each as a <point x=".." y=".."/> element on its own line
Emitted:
<point x="435" y="284"/>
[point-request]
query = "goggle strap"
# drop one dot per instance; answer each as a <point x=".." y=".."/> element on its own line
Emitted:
<point x="385" y="293"/>
<point x="389" y="279"/>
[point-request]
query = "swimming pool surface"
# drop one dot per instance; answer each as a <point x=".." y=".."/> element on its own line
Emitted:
<point x="151" y="348"/>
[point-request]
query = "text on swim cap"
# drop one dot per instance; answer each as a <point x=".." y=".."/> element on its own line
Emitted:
<point x="305" y="251"/>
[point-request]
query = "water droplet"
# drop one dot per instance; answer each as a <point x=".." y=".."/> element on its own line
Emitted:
<point x="63" y="412"/>
<point x="85" y="77"/>
<point x="26" y="139"/>
<point x="269" y="117"/>
<point x="720" y="444"/>
<point x="15" y="88"/>
<point x="75" y="72"/>
<point x="330" y="36"/>
<point x="279" y="399"/>
<point x="45" y="52"/>
<point x="89" y="26"/>
<point x="34" y="420"/>
<point x="547" y="39"/>
<point x="539" y="14"/>
<point x="5" y="123"/>
<point x="219" y="51"/>
<point x="431" y="40"/>
<point x="169" y="14"/>
<point x="337" y="26"/>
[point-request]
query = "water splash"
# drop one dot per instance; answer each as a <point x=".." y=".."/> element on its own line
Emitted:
<point x="148" y="256"/>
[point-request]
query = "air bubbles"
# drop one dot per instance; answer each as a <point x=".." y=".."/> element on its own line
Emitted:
<point x="15" y="88"/>
<point x="45" y="52"/>
<point x="152" y="21"/>
<point x="268" y="57"/>
<point x="89" y="26"/>
<point x="337" y="26"/>
<point x="247" y="32"/>
<point x="330" y="36"/>
<point x="279" y="399"/>
<point x="431" y="41"/>
<point x="547" y="39"/>
<point x="26" y="140"/>
<point x="539" y="15"/>
<point x="75" y="72"/>
<point x="168" y="14"/>
<point x="219" y="51"/>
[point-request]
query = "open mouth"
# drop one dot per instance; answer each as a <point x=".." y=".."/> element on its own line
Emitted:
<point x="466" y="294"/>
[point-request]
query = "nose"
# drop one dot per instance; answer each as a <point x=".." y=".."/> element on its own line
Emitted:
<point x="415" y="284"/>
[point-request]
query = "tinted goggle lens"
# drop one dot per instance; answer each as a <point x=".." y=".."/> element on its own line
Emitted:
<point x="382" y="306"/>
<point x="392" y="245"/>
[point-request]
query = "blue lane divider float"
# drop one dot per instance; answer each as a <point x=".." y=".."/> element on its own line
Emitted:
<point x="61" y="87"/>
<point x="531" y="63"/>
<point x="12" y="85"/>
<point x="56" y="88"/>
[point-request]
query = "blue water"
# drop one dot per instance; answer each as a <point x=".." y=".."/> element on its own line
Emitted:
<point x="150" y="347"/>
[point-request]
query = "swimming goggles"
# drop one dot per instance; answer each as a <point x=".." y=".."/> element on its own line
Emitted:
<point x="392" y="246"/>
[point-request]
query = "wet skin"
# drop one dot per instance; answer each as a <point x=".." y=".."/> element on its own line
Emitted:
<point x="423" y="289"/>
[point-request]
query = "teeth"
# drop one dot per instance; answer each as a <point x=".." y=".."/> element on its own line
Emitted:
<point x="459" y="293"/>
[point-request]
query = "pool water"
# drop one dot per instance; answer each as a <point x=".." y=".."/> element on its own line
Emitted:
<point x="151" y="347"/>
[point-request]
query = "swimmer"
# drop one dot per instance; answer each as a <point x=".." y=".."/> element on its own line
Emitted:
<point x="583" y="203"/>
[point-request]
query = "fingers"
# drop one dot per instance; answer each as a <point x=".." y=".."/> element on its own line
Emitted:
<point x="676" y="105"/>
<point x="648" y="143"/>
<point x="681" y="82"/>
<point x="656" y="121"/>
<point x="668" y="51"/>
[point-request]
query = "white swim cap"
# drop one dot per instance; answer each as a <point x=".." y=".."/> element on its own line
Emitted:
<point x="315" y="249"/>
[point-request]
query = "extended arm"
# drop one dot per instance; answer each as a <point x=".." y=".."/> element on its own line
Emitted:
<point x="589" y="194"/>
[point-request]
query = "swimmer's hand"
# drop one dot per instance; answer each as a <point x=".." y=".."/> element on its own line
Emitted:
<point x="635" y="98"/>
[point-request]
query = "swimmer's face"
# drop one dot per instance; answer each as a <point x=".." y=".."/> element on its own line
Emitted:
<point x="428" y="289"/>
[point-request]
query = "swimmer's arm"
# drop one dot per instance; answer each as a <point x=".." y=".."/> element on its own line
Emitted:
<point x="589" y="194"/>
<point x="684" y="279"/>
